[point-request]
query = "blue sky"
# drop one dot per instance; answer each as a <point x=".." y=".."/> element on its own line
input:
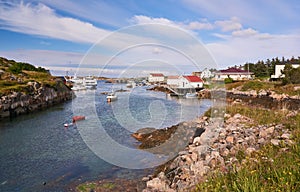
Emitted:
<point x="59" y="35"/>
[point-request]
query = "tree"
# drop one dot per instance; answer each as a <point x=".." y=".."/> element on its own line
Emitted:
<point x="291" y="75"/>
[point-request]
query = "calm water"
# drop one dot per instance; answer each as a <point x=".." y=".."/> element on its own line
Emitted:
<point x="37" y="148"/>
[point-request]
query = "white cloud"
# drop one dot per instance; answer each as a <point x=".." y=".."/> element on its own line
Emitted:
<point x="42" y="20"/>
<point x="94" y="11"/>
<point x="229" y="25"/>
<point x="142" y="19"/>
<point x="191" y="26"/>
<point x="247" y="11"/>
<point x="196" y="25"/>
<point x="236" y="51"/>
<point x="244" y="33"/>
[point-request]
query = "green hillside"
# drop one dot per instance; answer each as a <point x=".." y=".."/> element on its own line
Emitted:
<point x="14" y="76"/>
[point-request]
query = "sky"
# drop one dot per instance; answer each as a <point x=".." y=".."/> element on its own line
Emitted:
<point x="133" y="37"/>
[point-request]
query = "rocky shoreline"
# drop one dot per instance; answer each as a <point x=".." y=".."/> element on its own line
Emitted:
<point x="37" y="97"/>
<point x="209" y="146"/>
<point x="206" y="147"/>
<point x="218" y="148"/>
<point x="265" y="99"/>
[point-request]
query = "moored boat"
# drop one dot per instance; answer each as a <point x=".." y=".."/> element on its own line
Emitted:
<point x="191" y="95"/>
<point x="90" y="82"/>
<point x="111" y="97"/>
<point x="78" y="118"/>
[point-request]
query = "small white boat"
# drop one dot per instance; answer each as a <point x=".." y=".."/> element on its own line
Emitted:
<point x="90" y="82"/>
<point x="191" y="95"/>
<point x="131" y="84"/>
<point x="111" y="97"/>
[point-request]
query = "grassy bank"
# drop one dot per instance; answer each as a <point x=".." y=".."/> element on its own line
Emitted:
<point x="14" y="76"/>
<point x="258" y="85"/>
<point x="273" y="168"/>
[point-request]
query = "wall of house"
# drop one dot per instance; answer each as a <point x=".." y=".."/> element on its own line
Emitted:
<point x="235" y="77"/>
<point x="156" y="79"/>
<point x="173" y="82"/>
<point x="206" y="74"/>
<point x="197" y="84"/>
<point x="279" y="68"/>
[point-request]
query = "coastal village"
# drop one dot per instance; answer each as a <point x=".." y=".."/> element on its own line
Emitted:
<point x="255" y="147"/>
<point x="149" y="96"/>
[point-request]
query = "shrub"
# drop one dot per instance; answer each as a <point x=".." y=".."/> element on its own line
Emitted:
<point x="228" y="80"/>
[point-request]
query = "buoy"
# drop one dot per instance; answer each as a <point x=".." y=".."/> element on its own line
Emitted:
<point x="66" y="124"/>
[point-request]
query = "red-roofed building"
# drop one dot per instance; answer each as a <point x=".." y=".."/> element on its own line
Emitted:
<point x="156" y="78"/>
<point x="191" y="81"/>
<point x="185" y="81"/>
<point x="233" y="73"/>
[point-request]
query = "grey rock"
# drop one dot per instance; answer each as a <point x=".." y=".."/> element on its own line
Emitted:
<point x="286" y="136"/>
<point x="275" y="142"/>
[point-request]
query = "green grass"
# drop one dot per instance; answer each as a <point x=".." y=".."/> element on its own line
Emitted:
<point x="269" y="169"/>
<point x="260" y="116"/>
<point x="7" y="85"/>
<point x="258" y="85"/>
<point x="86" y="187"/>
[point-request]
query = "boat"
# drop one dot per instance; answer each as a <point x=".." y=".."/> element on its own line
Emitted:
<point x="111" y="97"/>
<point x="78" y="118"/>
<point x="76" y="80"/>
<point x="90" y="82"/>
<point x="131" y="84"/>
<point x="78" y="87"/>
<point x="191" y="95"/>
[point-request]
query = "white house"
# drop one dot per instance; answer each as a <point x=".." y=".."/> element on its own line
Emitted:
<point x="279" y="69"/>
<point x="173" y="81"/>
<point x="206" y="73"/>
<point x="190" y="81"/>
<point x="156" y="78"/>
<point x="233" y="73"/>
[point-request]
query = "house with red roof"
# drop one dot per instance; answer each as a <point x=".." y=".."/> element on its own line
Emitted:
<point x="190" y="81"/>
<point x="233" y="73"/>
<point x="156" y="78"/>
<point x="185" y="81"/>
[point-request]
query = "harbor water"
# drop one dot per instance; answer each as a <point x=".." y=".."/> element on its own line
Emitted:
<point x="38" y="153"/>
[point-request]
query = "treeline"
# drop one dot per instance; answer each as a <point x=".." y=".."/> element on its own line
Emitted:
<point x="267" y="68"/>
<point x="17" y="67"/>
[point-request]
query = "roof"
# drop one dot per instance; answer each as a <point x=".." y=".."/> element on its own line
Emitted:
<point x="233" y="71"/>
<point x="157" y="74"/>
<point x="173" y="77"/>
<point x="193" y="78"/>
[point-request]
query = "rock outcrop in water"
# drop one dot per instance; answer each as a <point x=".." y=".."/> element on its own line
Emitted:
<point x="36" y="97"/>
